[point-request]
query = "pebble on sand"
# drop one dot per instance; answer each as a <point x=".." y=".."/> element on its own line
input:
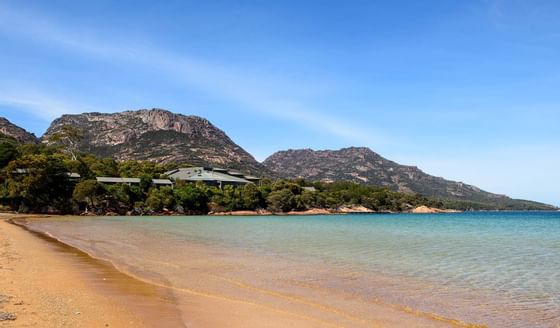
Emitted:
<point x="5" y="316"/>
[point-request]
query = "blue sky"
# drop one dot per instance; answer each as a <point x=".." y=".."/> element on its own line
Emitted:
<point x="467" y="90"/>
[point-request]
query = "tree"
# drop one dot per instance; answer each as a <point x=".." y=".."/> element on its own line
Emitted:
<point x="69" y="137"/>
<point x="145" y="182"/>
<point x="159" y="199"/>
<point x="8" y="151"/>
<point x="133" y="169"/>
<point x="229" y="198"/>
<point x="106" y="167"/>
<point x="192" y="198"/>
<point x="89" y="192"/>
<point x="281" y="200"/>
<point x="251" y="197"/>
<point x="286" y="184"/>
<point x="38" y="183"/>
<point x="305" y="201"/>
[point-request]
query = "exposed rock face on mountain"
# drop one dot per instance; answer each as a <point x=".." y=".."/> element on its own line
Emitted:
<point x="157" y="135"/>
<point x="362" y="165"/>
<point x="14" y="131"/>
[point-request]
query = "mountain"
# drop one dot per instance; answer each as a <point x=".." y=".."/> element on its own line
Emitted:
<point x="157" y="135"/>
<point x="362" y="165"/>
<point x="11" y="130"/>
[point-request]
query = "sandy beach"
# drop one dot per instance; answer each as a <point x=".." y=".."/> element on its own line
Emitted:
<point x="42" y="284"/>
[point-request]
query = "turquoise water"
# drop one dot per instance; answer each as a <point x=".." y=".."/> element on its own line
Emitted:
<point x="500" y="269"/>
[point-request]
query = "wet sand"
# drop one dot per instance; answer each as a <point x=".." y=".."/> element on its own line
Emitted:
<point x="44" y="283"/>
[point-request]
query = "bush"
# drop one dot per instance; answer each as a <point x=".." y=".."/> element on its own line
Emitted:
<point x="281" y="200"/>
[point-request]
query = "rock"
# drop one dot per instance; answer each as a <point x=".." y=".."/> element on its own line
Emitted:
<point x="426" y="210"/>
<point x="355" y="209"/>
<point x="4" y="298"/>
<point x="87" y="214"/>
<point x="311" y="211"/>
<point x="7" y="316"/>
<point x="240" y="213"/>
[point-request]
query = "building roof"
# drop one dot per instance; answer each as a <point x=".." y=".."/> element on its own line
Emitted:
<point x="132" y="180"/>
<point x="117" y="180"/>
<point x="21" y="171"/>
<point x="162" y="182"/>
<point x="202" y="174"/>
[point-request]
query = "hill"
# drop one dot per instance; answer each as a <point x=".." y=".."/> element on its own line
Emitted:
<point x="19" y="134"/>
<point x="360" y="164"/>
<point x="157" y="135"/>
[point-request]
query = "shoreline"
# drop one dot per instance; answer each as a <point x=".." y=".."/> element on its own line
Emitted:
<point x="47" y="282"/>
<point x="310" y="212"/>
<point x="214" y="304"/>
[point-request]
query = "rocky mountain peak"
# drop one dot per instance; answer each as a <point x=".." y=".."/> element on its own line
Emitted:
<point x="14" y="131"/>
<point x="363" y="165"/>
<point x="157" y="135"/>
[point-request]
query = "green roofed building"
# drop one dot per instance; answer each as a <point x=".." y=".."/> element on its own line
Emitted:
<point x="211" y="176"/>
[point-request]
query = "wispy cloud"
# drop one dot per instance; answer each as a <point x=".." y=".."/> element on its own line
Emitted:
<point x="41" y="105"/>
<point x="193" y="73"/>
<point x="522" y="14"/>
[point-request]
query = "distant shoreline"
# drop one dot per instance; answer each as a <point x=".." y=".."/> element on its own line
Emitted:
<point x="311" y="212"/>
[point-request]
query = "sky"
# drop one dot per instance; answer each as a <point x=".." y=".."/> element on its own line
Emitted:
<point x="466" y="90"/>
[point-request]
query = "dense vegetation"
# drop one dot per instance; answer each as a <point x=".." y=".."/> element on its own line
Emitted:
<point x="35" y="178"/>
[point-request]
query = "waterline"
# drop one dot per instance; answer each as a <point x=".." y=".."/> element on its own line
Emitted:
<point x="500" y="269"/>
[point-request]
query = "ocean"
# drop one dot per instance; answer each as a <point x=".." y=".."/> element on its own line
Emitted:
<point x="500" y="269"/>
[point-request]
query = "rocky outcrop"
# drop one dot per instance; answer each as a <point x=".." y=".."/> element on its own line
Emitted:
<point x="157" y="135"/>
<point x="431" y="210"/>
<point x="355" y="209"/>
<point x="11" y="130"/>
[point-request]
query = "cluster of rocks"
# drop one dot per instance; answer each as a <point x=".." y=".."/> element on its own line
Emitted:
<point x="4" y="315"/>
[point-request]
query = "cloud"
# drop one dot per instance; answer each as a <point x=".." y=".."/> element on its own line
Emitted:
<point x="41" y="105"/>
<point x="191" y="72"/>
<point x="523" y="14"/>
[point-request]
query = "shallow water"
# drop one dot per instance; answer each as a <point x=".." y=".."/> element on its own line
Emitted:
<point x="498" y="269"/>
